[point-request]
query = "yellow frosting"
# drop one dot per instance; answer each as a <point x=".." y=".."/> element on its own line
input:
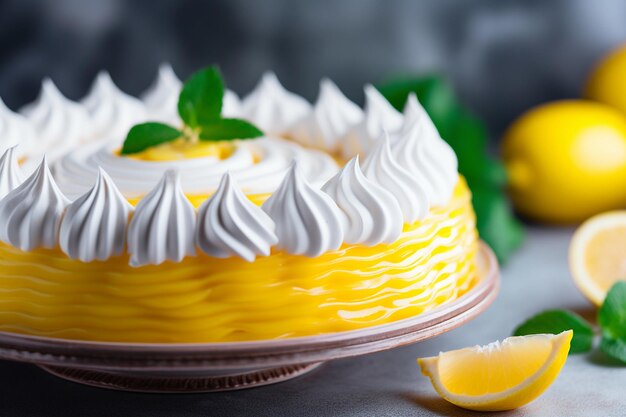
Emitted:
<point x="204" y="299"/>
<point x="182" y="149"/>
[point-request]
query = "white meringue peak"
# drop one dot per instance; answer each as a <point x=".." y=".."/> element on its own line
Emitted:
<point x="438" y="149"/>
<point x="420" y="150"/>
<point x="59" y="122"/>
<point x="15" y="130"/>
<point x="32" y="212"/>
<point x="112" y="111"/>
<point x="161" y="98"/>
<point x="381" y="167"/>
<point x="413" y="110"/>
<point x="229" y="224"/>
<point x="231" y="104"/>
<point x="371" y="214"/>
<point x="94" y="225"/>
<point x="162" y="227"/>
<point x="379" y="116"/>
<point x="10" y="172"/>
<point x="308" y="222"/>
<point x="330" y="119"/>
<point x="272" y="108"/>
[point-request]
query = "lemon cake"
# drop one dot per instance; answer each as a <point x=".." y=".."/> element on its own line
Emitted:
<point x="336" y="218"/>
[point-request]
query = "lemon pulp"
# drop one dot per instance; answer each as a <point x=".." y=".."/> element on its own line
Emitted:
<point x="597" y="254"/>
<point x="500" y="376"/>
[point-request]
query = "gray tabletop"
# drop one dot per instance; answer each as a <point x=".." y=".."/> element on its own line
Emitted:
<point x="382" y="384"/>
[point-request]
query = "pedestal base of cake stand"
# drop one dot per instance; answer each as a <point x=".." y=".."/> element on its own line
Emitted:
<point x="184" y="383"/>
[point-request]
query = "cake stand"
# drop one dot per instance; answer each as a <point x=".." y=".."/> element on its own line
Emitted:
<point x="204" y="367"/>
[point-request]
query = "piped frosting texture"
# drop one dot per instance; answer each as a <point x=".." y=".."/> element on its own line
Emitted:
<point x="15" y="130"/>
<point x="60" y="124"/>
<point x="10" y="172"/>
<point x="381" y="168"/>
<point x="371" y="214"/>
<point x="379" y="116"/>
<point x="31" y="213"/>
<point x="202" y="300"/>
<point x="161" y="98"/>
<point x="272" y="108"/>
<point x="231" y="225"/>
<point x="308" y="222"/>
<point x="311" y="209"/>
<point x="330" y="119"/>
<point x="94" y="225"/>
<point x="162" y="228"/>
<point x="112" y="111"/>
<point x="257" y="165"/>
<point x="419" y="148"/>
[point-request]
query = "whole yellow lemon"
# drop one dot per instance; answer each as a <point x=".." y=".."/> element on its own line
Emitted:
<point x="566" y="161"/>
<point x="607" y="82"/>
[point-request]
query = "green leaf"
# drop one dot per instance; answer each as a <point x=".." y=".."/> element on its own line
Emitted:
<point x="612" y="321"/>
<point x="224" y="129"/>
<point x="494" y="220"/>
<point x="200" y="101"/>
<point x="146" y="135"/>
<point x="614" y="348"/>
<point x="557" y="321"/>
<point x="612" y="314"/>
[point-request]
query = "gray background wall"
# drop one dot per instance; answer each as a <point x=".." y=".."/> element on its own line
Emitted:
<point x="503" y="56"/>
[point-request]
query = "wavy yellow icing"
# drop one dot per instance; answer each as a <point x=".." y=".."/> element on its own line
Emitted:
<point x="204" y="299"/>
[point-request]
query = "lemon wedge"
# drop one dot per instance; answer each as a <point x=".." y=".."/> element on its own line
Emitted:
<point x="501" y="375"/>
<point x="597" y="254"/>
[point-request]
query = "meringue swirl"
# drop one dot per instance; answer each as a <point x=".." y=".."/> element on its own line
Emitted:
<point x="379" y="116"/>
<point x="112" y="111"/>
<point x="10" y="172"/>
<point x="231" y="104"/>
<point x="381" y="167"/>
<point x="330" y="119"/>
<point x="308" y="222"/>
<point x="32" y="212"/>
<point x="231" y="225"/>
<point x="163" y="225"/>
<point x="312" y="208"/>
<point x="272" y="108"/>
<point x="60" y="124"/>
<point x="161" y="98"/>
<point x="94" y="225"/>
<point x="371" y="214"/>
<point x="258" y="165"/>
<point x="15" y="130"/>
<point x="420" y="150"/>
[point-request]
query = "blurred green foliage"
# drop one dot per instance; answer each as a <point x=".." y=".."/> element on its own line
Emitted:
<point x="468" y="137"/>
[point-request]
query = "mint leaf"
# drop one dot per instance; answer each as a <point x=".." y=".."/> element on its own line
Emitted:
<point x="146" y="135"/>
<point x="557" y="321"/>
<point x="612" y="321"/>
<point x="200" y="101"/>
<point x="614" y="348"/>
<point x="229" y="129"/>
<point x="612" y="314"/>
<point x="494" y="220"/>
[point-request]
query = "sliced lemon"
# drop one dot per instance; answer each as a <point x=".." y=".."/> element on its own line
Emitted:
<point x="501" y="375"/>
<point x="597" y="254"/>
